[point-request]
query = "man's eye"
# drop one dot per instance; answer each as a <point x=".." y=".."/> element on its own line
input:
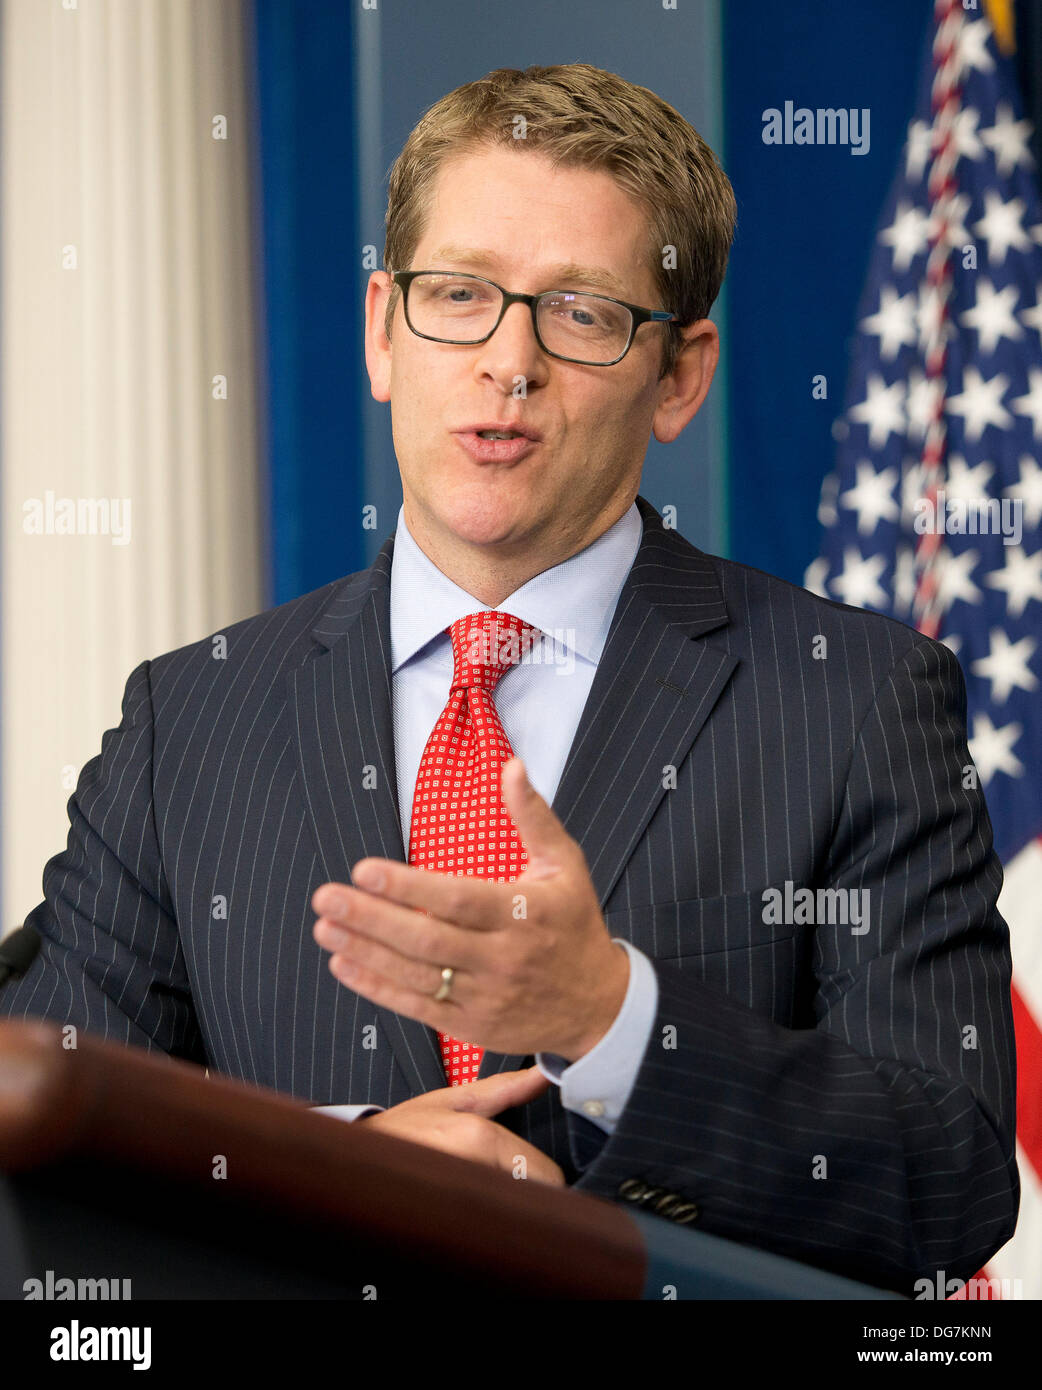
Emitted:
<point x="459" y="294"/>
<point x="582" y="316"/>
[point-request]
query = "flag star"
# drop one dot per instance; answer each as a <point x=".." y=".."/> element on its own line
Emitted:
<point x="908" y="234"/>
<point x="827" y="513"/>
<point x="872" y="497"/>
<point x="972" y="48"/>
<point x="964" y="133"/>
<point x="882" y="410"/>
<point x="1020" y="577"/>
<point x="1002" y="226"/>
<point x="894" y="322"/>
<point x="948" y="225"/>
<point x="815" y="576"/>
<point x="966" y="483"/>
<point x="992" y="314"/>
<point x="1008" y="140"/>
<point x="1029" y="490"/>
<point x="859" y="584"/>
<point x="1006" y="665"/>
<point x="918" y="149"/>
<point x="1033" y="316"/>
<point x="953" y="642"/>
<point x="954" y="581"/>
<point x="923" y="402"/>
<point x="913" y="488"/>
<point x="992" y="749"/>
<point x="980" y="402"/>
<point x="1031" y="404"/>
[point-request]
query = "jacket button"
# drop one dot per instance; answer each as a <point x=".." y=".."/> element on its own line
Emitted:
<point x="685" y="1213"/>
<point x="669" y="1204"/>
<point x="633" y="1190"/>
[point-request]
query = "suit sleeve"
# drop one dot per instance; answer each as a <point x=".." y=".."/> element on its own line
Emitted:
<point x="110" y="960"/>
<point x="879" y="1142"/>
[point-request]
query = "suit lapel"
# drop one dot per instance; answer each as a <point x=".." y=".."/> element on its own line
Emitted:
<point x="341" y="704"/>
<point x="654" y="689"/>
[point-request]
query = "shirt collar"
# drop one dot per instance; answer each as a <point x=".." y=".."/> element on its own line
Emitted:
<point x="573" y="601"/>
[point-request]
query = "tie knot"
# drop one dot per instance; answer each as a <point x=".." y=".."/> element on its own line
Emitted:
<point x="484" y="645"/>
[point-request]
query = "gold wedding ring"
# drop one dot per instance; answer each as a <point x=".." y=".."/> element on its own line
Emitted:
<point x="446" y="984"/>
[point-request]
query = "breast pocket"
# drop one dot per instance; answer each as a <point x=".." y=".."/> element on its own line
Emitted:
<point x="699" y="926"/>
<point x="725" y="942"/>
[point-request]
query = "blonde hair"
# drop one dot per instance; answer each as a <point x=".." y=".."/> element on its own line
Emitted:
<point x="583" y="117"/>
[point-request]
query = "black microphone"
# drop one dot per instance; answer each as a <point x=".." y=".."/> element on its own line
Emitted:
<point x="17" y="952"/>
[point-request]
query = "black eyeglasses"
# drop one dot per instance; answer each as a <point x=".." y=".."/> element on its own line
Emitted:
<point x="590" y="329"/>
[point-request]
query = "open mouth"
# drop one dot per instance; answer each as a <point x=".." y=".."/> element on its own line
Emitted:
<point x="496" y="446"/>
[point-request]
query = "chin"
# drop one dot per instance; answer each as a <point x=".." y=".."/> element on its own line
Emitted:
<point x="484" y="516"/>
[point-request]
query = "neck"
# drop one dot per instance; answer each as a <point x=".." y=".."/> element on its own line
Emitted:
<point x="490" y="579"/>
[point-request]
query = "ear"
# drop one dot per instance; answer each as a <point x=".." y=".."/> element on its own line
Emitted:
<point x="377" y="343"/>
<point x="682" y="392"/>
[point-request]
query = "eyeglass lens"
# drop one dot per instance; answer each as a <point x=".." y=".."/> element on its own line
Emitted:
<point x="461" y="309"/>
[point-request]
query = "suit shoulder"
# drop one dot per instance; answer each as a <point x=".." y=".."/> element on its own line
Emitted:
<point x="274" y="636"/>
<point x="758" y="597"/>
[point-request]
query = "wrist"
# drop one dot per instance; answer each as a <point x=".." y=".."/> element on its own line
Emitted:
<point x="610" y="1004"/>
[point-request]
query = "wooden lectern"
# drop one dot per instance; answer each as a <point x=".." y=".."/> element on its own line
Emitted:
<point x="120" y="1164"/>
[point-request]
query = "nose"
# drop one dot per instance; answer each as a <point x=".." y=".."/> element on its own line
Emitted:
<point x="513" y="350"/>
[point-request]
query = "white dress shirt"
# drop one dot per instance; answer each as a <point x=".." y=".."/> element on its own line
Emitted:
<point x="540" y="703"/>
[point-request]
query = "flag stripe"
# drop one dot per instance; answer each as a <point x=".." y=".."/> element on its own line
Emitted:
<point x="1029" y="1094"/>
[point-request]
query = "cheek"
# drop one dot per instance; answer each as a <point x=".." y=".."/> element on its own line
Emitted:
<point x="417" y="407"/>
<point x="616" y="419"/>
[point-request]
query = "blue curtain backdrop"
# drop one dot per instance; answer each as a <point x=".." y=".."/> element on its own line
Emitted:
<point x="806" y="219"/>
<point x="308" y="221"/>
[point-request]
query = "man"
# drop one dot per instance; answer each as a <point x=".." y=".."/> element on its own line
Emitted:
<point x="720" y="748"/>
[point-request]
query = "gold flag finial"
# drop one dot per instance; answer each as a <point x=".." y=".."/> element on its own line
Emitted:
<point x="1000" y="16"/>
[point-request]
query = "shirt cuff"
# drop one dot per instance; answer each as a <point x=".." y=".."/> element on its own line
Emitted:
<point x="598" y="1086"/>
<point x="348" y="1112"/>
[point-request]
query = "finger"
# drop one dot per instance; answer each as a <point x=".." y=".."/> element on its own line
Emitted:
<point x="523" y="1160"/>
<point x="444" y="1017"/>
<point x="352" y="948"/>
<point x="348" y="912"/>
<point x="542" y="833"/>
<point x="493" y="1094"/>
<point x="475" y="903"/>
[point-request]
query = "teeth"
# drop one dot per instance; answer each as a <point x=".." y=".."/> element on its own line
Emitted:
<point x="498" y="434"/>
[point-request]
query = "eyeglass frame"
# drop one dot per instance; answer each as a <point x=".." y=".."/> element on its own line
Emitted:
<point x="638" y="314"/>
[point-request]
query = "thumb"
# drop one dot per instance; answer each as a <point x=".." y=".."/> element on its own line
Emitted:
<point x="492" y="1094"/>
<point x="542" y="834"/>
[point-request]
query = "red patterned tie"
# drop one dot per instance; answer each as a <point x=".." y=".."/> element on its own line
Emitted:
<point x="459" y="825"/>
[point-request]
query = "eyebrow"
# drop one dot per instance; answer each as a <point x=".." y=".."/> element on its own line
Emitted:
<point x="567" y="272"/>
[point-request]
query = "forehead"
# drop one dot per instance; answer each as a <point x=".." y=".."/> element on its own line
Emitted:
<point x="513" y="214"/>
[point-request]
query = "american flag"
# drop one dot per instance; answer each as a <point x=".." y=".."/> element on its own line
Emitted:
<point x="941" y="433"/>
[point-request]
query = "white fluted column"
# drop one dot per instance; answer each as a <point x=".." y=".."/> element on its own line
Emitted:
<point x="130" y="495"/>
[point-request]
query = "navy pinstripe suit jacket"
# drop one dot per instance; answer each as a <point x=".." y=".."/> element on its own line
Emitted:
<point x="842" y="1096"/>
